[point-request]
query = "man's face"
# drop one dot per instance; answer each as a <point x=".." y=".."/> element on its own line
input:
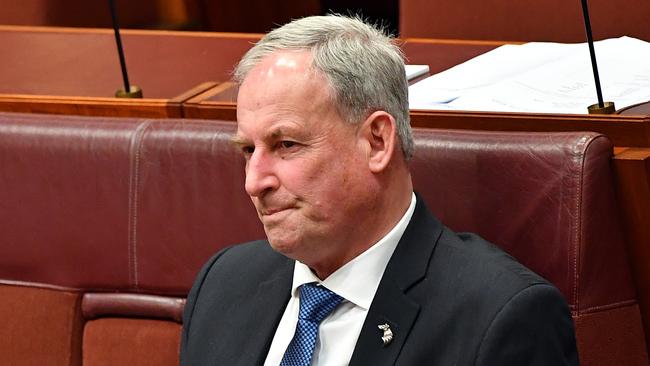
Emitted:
<point x="305" y="166"/>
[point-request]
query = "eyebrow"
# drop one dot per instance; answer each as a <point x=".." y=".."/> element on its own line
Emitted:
<point x="277" y="132"/>
<point x="238" y="140"/>
<point x="274" y="134"/>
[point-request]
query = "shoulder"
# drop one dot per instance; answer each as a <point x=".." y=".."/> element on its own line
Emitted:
<point x="227" y="294"/>
<point x="258" y="253"/>
<point x="472" y="259"/>
<point x="534" y="327"/>
<point x="249" y="262"/>
<point x="503" y="311"/>
<point x="231" y="275"/>
<point x="464" y="259"/>
<point x="462" y="263"/>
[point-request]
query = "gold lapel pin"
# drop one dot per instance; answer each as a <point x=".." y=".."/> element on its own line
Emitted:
<point x="388" y="334"/>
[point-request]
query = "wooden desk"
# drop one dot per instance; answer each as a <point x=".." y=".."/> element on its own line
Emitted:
<point x="629" y="128"/>
<point x="76" y="71"/>
<point x="623" y="130"/>
<point x="632" y="128"/>
<point x="219" y="102"/>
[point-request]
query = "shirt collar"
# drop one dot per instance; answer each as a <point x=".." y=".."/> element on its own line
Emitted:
<point x="357" y="281"/>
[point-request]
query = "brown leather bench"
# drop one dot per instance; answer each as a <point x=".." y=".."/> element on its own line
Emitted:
<point x="105" y="221"/>
<point x="549" y="200"/>
<point x="103" y="225"/>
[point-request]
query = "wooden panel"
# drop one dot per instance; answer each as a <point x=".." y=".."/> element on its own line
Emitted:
<point x="90" y="106"/>
<point x="76" y="71"/>
<point x="95" y="106"/>
<point x="633" y="178"/>
<point x="553" y="20"/>
<point x="217" y="103"/>
<point x="442" y="54"/>
<point x="253" y="15"/>
<point x="622" y="130"/>
<point x="84" y="13"/>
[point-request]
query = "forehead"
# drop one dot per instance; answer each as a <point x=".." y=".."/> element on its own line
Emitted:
<point x="282" y="87"/>
<point x="283" y="73"/>
<point x="279" y="62"/>
<point x="281" y="68"/>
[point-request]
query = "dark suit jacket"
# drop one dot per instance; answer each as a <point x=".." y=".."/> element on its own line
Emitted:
<point x="450" y="299"/>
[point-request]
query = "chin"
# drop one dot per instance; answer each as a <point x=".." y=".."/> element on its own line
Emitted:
<point x="282" y="245"/>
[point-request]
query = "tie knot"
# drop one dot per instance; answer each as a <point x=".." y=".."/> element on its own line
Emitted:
<point x="316" y="302"/>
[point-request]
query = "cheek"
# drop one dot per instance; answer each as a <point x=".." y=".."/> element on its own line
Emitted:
<point x="326" y="178"/>
<point x="296" y="174"/>
<point x="341" y="184"/>
<point x="305" y="174"/>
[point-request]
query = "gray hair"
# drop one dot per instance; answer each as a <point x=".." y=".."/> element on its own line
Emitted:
<point x="365" y="68"/>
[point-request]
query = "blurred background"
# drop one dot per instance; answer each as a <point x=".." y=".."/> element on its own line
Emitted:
<point x="251" y="16"/>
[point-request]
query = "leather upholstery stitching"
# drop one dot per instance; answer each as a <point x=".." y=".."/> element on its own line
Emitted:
<point x="577" y="228"/>
<point x="577" y="245"/>
<point x="612" y="306"/>
<point x="134" y="156"/>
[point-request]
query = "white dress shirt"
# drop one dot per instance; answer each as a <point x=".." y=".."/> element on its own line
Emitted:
<point x="357" y="283"/>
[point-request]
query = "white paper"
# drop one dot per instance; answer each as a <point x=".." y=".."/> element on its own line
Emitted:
<point x="541" y="78"/>
<point x="414" y="71"/>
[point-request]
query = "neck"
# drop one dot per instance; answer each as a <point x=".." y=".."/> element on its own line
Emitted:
<point x="383" y="214"/>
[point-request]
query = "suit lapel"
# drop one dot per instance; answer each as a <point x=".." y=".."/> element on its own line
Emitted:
<point x="399" y="313"/>
<point x="268" y="305"/>
<point x="392" y="305"/>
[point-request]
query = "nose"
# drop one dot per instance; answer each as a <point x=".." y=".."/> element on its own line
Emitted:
<point x="260" y="174"/>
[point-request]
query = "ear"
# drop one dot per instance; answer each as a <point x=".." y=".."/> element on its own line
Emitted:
<point x="379" y="134"/>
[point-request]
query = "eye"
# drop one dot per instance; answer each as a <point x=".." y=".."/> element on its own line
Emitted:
<point x="287" y="144"/>
<point x="247" y="149"/>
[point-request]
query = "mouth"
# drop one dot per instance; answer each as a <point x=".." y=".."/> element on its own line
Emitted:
<point x="273" y="211"/>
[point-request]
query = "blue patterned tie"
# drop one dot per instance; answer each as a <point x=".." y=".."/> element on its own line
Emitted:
<point x="316" y="303"/>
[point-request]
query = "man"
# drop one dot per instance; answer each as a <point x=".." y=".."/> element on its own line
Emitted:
<point x="323" y="125"/>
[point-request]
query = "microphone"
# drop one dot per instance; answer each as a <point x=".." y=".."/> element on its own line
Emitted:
<point x="601" y="107"/>
<point x="129" y="91"/>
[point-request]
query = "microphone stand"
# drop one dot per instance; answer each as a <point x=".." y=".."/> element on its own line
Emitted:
<point x="601" y="107"/>
<point x="129" y="91"/>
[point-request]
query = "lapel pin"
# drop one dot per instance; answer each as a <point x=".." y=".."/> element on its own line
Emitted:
<point x="388" y="334"/>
